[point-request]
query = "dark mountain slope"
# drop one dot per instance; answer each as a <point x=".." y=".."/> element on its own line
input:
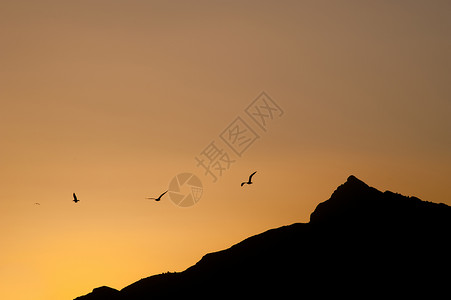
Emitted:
<point x="360" y="242"/>
<point x="356" y="202"/>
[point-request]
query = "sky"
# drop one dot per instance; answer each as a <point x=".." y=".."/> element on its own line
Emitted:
<point x="114" y="99"/>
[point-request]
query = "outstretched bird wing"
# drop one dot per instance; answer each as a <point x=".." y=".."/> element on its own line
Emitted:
<point x="162" y="194"/>
<point x="250" y="177"/>
<point x="243" y="183"/>
<point x="75" y="197"/>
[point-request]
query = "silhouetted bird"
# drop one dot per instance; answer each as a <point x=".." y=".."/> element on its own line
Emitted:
<point x="38" y="203"/>
<point x="250" y="179"/>
<point x="75" y="198"/>
<point x="159" y="198"/>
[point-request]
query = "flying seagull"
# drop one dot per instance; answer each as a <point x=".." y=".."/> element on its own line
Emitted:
<point x="75" y="198"/>
<point x="37" y="203"/>
<point x="159" y="198"/>
<point x="250" y="179"/>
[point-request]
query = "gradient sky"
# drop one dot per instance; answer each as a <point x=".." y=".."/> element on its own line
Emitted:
<point x="112" y="99"/>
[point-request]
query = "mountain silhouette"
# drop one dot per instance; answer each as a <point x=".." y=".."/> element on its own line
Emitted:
<point x="359" y="243"/>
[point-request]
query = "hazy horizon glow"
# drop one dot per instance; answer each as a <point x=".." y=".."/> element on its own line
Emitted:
<point x="112" y="99"/>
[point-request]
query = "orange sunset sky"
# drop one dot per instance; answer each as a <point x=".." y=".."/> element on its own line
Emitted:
<point x="112" y="99"/>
